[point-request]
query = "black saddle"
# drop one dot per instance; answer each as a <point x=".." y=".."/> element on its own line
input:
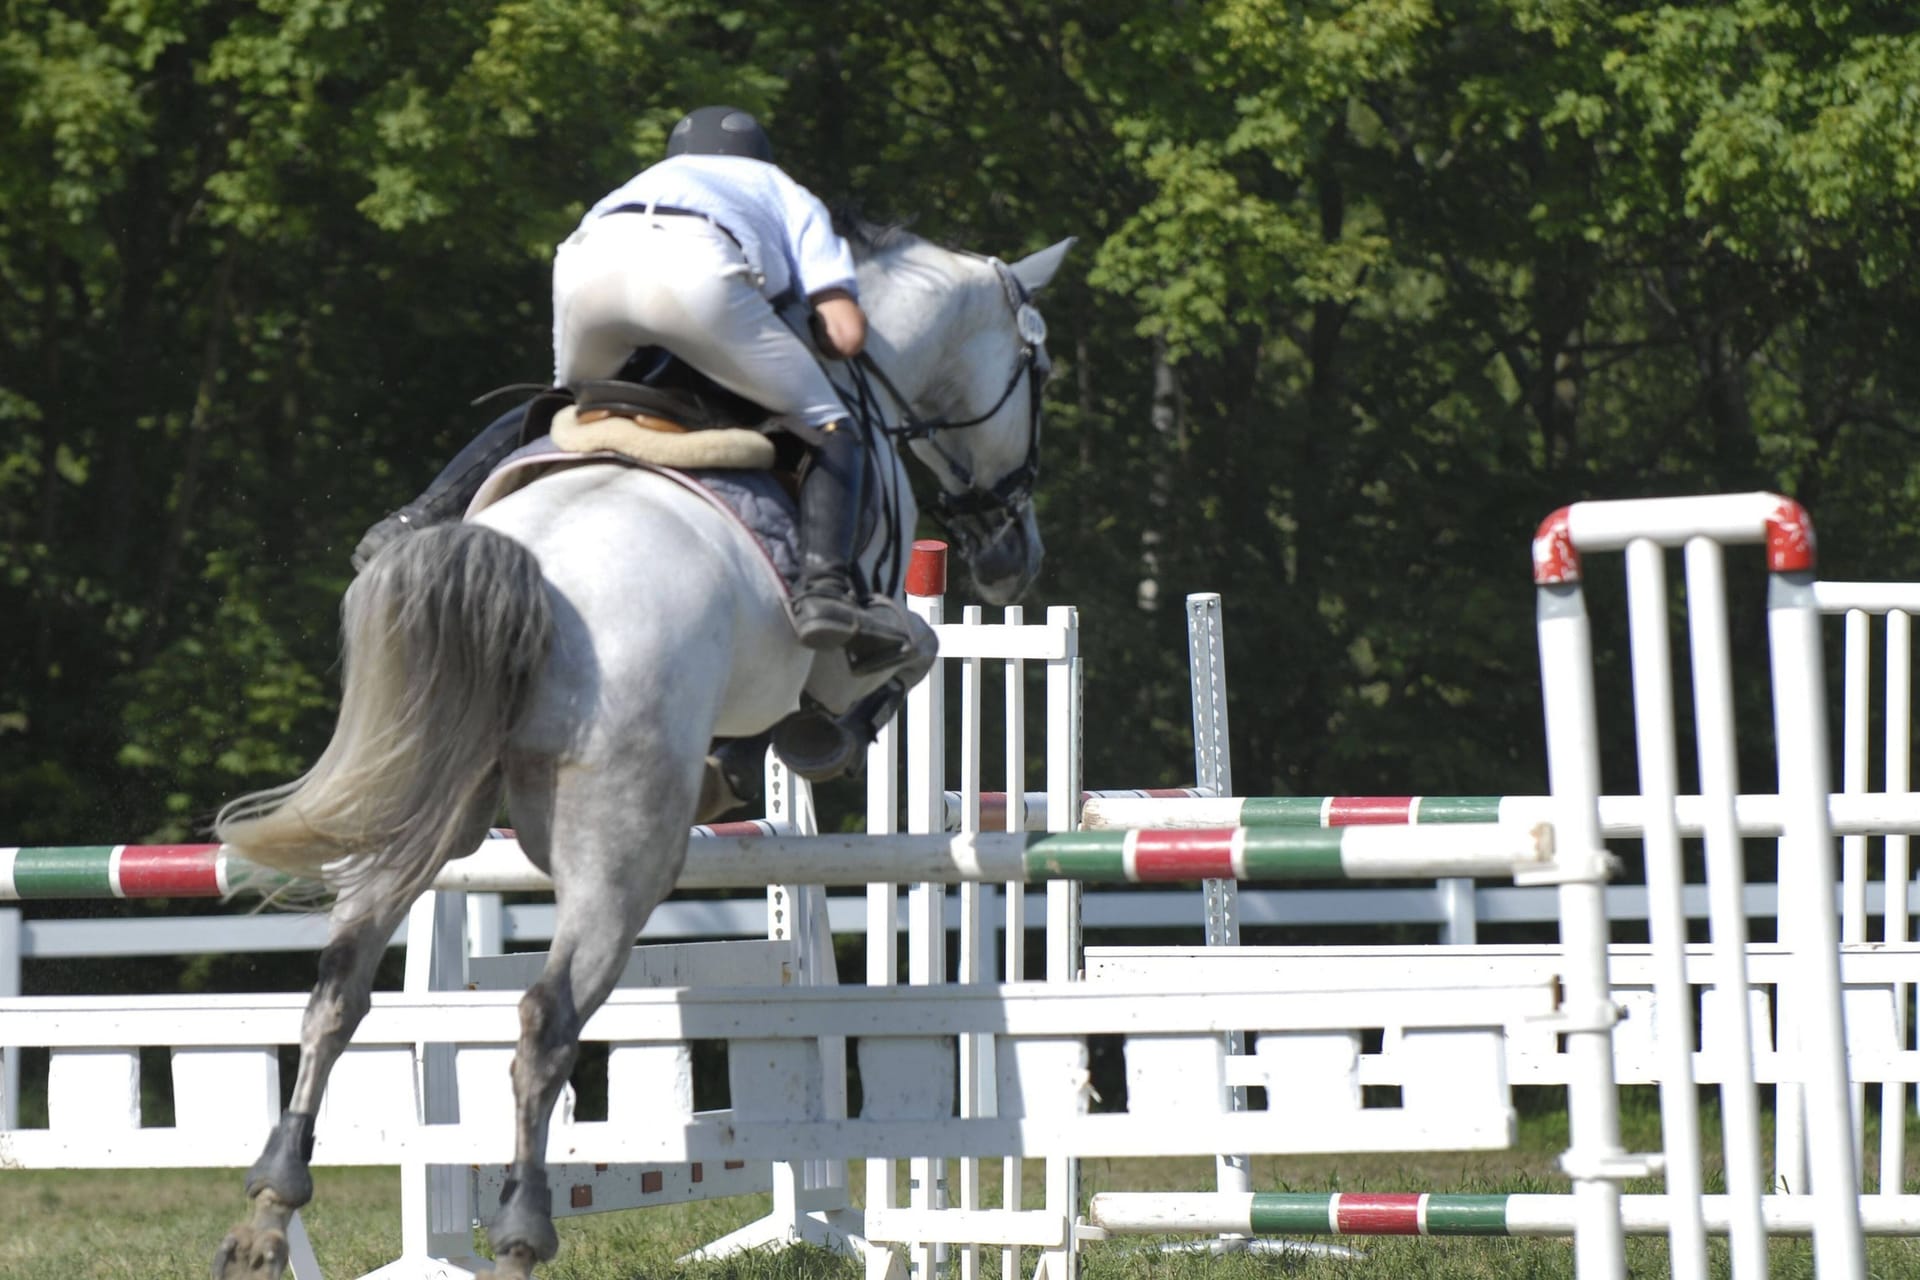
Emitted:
<point x="658" y="384"/>
<point x="655" y="381"/>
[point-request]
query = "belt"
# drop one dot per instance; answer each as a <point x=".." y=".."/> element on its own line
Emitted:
<point x="674" y="211"/>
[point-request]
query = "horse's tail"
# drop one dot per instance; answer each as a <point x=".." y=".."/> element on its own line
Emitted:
<point x="441" y="637"/>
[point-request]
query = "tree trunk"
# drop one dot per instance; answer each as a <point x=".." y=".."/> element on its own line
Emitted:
<point x="1164" y="417"/>
<point x="193" y="456"/>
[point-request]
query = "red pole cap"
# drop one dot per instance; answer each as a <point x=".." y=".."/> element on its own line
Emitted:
<point x="1790" y="540"/>
<point x="1555" y="559"/>
<point x="927" y="568"/>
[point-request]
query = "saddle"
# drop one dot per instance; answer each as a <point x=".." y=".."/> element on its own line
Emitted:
<point x="663" y="413"/>
<point x="665" y="428"/>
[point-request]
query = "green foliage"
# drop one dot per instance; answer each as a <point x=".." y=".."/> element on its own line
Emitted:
<point x="225" y="702"/>
<point x="1364" y="290"/>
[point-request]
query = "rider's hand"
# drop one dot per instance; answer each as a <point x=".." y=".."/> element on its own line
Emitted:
<point x="839" y="325"/>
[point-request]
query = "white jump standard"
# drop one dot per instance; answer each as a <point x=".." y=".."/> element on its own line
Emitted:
<point x="1645" y="529"/>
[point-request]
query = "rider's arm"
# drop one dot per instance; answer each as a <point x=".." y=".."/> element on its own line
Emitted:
<point x="823" y="269"/>
<point x="842" y="327"/>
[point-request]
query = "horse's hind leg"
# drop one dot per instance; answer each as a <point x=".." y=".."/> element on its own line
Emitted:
<point x="279" y="1181"/>
<point x="610" y="870"/>
<point x="359" y="927"/>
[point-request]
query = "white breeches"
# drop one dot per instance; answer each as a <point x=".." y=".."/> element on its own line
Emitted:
<point x="631" y="280"/>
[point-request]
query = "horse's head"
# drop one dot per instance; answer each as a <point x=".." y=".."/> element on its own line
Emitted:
<point x="966" y="350"/>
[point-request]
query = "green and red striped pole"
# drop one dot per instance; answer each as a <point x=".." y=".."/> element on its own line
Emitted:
<point x="1864" y="813"/>
<point x="994" y="804"/>
<point x="1124" y="812"/>
<point x="113" y="871"/>
<point x="1280" y="853"/>
<point x="733" y="861"/>
<point x="1438" y="1214"/>
<point x="83" y="872"/>
<point x="80" y="872"/>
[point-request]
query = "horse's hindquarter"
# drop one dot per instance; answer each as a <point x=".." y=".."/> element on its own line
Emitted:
<point x="668" y="621"/>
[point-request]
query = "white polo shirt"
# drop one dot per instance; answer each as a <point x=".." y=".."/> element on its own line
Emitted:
<point x="783" y="228"/>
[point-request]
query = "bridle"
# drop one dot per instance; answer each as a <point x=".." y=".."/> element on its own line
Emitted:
<point x="1012" y="492"/>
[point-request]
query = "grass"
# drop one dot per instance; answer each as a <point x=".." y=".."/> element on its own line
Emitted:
<point x="105" y="1226"/>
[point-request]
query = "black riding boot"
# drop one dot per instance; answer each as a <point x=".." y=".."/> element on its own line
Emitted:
<point x="447" y="497"/>
<point x="827" y="609"/>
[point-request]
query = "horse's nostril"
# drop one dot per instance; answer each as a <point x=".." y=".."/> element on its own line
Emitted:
<point x="998" y="561"/>
<point x="1003" y="568"/>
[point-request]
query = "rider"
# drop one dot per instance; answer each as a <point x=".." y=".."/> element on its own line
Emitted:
<point x="693" y="255"/>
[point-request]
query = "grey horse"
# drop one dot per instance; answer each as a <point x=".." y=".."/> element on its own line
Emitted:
<point x="577" y="645"/>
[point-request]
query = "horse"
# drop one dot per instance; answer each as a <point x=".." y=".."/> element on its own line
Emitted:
<point x="575" y="648"/>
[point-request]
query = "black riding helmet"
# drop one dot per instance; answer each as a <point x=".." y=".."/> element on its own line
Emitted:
<point x="720" y="131"/>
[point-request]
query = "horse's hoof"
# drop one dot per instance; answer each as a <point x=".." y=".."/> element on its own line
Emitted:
<point x="512" y="1263"/>
<point x="816" y="746"/>
<point x="249" y="1253"/>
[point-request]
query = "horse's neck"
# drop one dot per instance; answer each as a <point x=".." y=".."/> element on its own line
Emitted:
<point x="928" y="310"/>
<point x="922" y="305"/>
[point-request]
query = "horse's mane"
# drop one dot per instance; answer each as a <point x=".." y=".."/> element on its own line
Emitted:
<point x="891" y="246"/>
<point x="869" y="236"/>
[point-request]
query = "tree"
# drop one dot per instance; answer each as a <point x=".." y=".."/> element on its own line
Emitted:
<point x="1364" y="291"/>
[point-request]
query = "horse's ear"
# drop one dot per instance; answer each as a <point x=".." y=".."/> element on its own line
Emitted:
<point x="1034" y="270"/>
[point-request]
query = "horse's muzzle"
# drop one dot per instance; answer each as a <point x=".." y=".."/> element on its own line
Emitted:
<point x="1005" y="560"/>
